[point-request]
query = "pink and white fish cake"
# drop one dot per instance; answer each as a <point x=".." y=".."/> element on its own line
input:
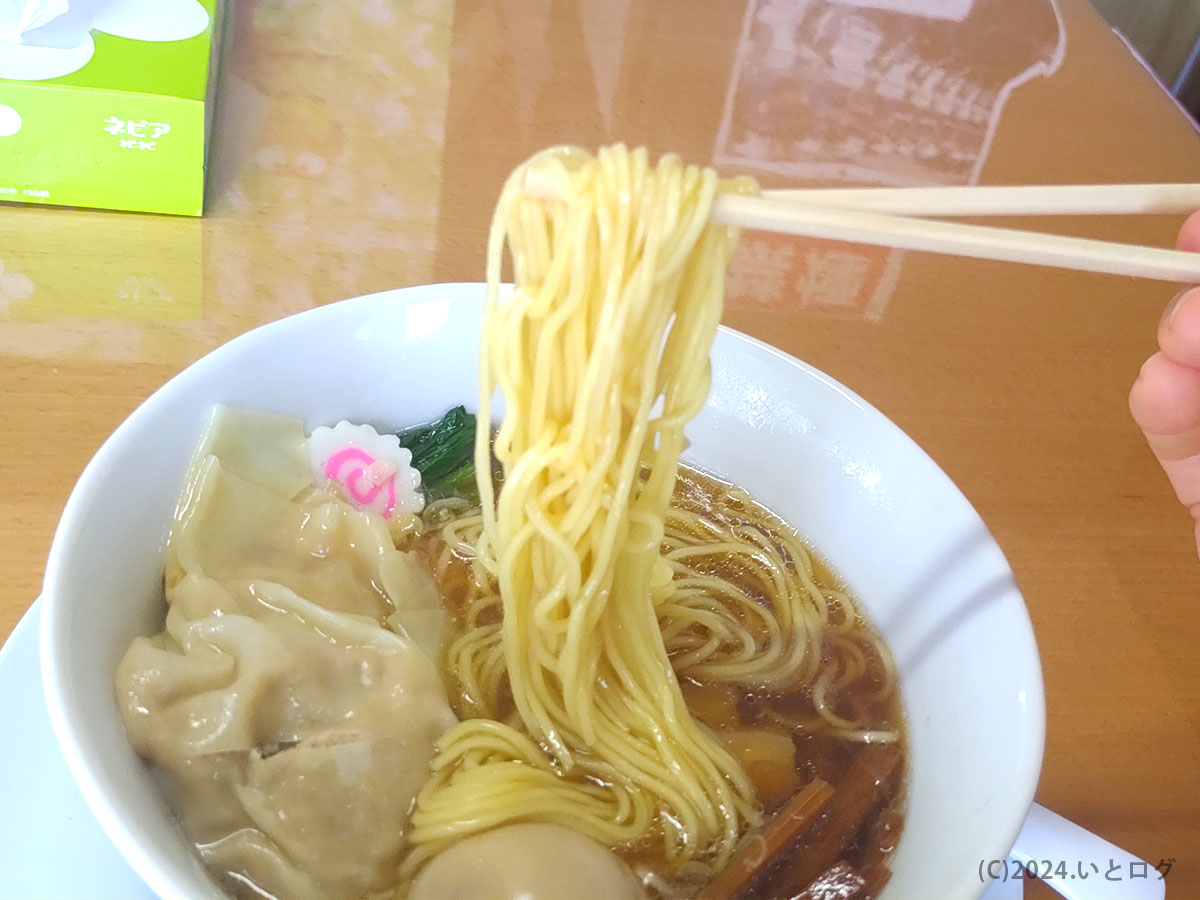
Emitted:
<point x="370" y="469"/>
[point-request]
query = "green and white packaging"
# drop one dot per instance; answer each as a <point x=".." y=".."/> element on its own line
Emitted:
<point x="107" y="103"/>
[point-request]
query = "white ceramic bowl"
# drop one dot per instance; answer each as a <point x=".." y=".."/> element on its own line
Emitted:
<point x="887" y="519"/>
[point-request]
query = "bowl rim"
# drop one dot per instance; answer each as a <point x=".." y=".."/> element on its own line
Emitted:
<point x="55" y="663"/>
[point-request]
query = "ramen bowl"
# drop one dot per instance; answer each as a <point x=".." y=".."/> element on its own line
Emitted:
<point x="878" y="509"/>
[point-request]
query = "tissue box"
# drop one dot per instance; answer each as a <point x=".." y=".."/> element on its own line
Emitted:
<point x="110" y="105"/>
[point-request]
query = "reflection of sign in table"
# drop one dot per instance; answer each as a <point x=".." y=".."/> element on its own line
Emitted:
<point x="955" y="10"/>
<point x="826" y="276"/>
<point x="903" y="92"/>
<point x="855" y="92"/>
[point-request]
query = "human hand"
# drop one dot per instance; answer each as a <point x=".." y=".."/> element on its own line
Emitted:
<point x="1165" y="399"/>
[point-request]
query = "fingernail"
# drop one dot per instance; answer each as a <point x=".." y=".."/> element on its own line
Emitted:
<point x="1164" y="324"/>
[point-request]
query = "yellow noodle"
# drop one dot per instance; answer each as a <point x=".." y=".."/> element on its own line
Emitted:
<point x="581" y="595"/>
<point x="601" y="356"/>
<point x="713" y="628"/>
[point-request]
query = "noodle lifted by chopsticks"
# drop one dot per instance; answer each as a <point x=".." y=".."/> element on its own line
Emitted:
<point x="601" y="354"/>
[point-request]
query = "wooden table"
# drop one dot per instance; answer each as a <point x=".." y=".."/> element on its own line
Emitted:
<point x="361" y="147"/>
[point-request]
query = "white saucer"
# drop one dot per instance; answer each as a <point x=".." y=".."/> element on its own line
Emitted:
<point x="51" y="845"/>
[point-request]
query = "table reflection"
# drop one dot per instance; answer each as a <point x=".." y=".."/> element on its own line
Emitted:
<point x="323" y="184"/>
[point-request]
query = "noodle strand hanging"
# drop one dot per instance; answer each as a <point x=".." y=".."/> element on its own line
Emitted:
<point x="591" y="593"/>
<point x="600" y="354"/>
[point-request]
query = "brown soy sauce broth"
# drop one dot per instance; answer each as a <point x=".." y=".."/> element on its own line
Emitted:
<point x="846" y="851"/>
<point x="819" y="751"/>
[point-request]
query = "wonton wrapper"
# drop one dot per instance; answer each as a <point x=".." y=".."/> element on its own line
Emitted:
<point x="289" y="729"/>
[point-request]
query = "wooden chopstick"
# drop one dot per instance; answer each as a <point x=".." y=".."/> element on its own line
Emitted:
<point x="957" y="239"/>
<point x="777" y="211"/>
<point x="1007" y="200"/>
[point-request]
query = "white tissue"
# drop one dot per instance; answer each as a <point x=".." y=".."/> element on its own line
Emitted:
<point x="42" y="39"/>
<point x="152" y="20"/>
<point x="20" y="16"/>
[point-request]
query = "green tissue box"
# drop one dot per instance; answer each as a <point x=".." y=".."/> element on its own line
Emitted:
<point x="107" y="103"/>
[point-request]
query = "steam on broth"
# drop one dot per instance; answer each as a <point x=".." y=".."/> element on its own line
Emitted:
<point x="533" y="657"/>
